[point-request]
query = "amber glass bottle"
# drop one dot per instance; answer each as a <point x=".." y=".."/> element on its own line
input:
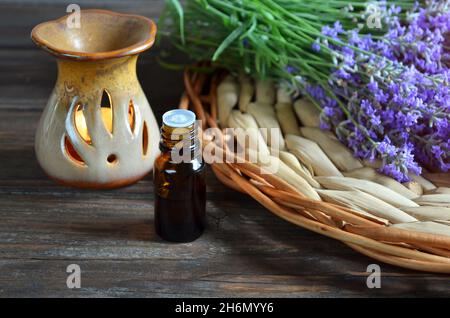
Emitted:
<point x="179" y="177"/>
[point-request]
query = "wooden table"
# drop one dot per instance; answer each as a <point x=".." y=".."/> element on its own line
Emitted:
<point x="45" y="227"/>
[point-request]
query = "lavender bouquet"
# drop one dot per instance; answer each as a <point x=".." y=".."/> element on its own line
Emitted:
<point x="377" y="70"/>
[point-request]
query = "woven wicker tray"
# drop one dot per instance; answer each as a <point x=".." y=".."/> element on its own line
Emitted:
<point x="413" y="249"/>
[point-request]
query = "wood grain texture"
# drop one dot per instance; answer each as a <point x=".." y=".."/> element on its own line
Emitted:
<point x="19" y="17"/>
<point x="44" y="227"/>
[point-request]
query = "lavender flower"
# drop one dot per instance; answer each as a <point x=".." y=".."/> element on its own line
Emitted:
<point x="394" y="104"/>
<point x="315" y="46"/>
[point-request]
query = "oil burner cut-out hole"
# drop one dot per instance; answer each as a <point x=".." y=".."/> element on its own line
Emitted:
<point x="71" y="152"/>
<point x="80" y="124"/>
<point x="112" y="158"/>
<point x="107" y="111"/>
<point x="131" y="116"/>
<point x="144" y="139"/>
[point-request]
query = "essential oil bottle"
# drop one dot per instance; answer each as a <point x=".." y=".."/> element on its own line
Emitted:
<point x="179" y="177"/>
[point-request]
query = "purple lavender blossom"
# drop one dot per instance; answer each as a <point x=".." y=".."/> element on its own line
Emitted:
<point x="315" y="46"/>
<point x="291" y="69"/>
<point x="398" y="99"/>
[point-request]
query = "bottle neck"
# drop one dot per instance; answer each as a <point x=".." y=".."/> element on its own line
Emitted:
<point x="182" y="143"/>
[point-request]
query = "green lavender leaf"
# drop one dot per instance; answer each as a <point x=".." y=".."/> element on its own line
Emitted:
<point x="228" y="40"/>
<point x="179" y="9"/>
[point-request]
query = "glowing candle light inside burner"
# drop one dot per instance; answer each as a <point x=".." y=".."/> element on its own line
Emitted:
<point x="80" y="122"/>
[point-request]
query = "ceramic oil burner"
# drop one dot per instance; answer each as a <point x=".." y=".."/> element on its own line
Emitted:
<point x="97" y="130"/>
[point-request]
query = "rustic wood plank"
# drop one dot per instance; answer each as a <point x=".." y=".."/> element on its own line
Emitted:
<point x="17" y="18"/>
<point x="109" y="234"/>
<point x="242" y="277"/>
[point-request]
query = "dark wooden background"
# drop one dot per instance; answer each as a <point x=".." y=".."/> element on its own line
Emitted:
<point x="44" y="227"/>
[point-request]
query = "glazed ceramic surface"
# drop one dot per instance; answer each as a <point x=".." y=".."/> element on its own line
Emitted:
<point x="97" y="129"/>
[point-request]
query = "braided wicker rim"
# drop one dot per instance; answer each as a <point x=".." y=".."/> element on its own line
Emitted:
<point x="399" y="247"/>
